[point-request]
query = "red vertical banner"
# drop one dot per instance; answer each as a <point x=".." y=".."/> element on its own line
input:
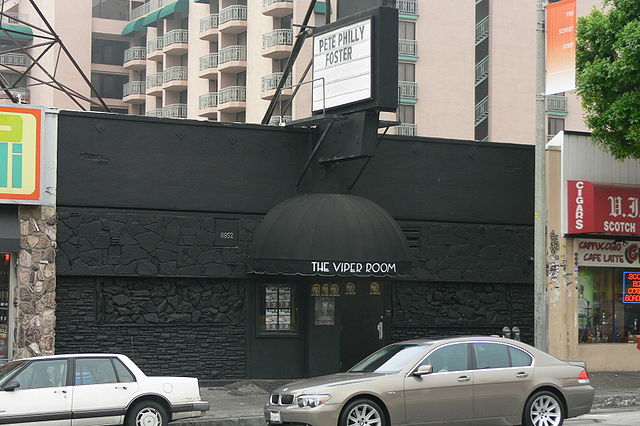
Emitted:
<point x="561" y="47"/>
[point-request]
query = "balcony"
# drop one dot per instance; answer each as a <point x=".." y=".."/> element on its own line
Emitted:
<point x="407" y="7"/>
<point x="175" y="79"/>
<point x="277" y="44"/>
<point x="556" y="104"/>
<point x="209" y="66"/>
<point x="406" y="129"/>
<point x="482" y="70"/>
<point x="208" y="105"/>
<point x="481" y="111"/>
<point x="270" y="84"/>
<point x="175" y="111"/>
<point x="233" y="19"/>
<point x="154" y="49"/>
<point x="17" y="61"/>
<point x="135" y="58"/>
<point x="155" y="113"/>
<point x="154" y="84"/>
<point x="176" y="42"/>
<point x="209" y="27"/>
<point x="232" y="59"/>
<point x="147" y="8"/>
<point x="279" y="120"/>
<point x="407" y="92"/>
<point x="232" y="99"/>
<point x="277" y="8"/>
<point x="15" y="18"/>
<point x="134" y="92"/>
<point x="407" y="48"/>
<point x="22" y="93"/>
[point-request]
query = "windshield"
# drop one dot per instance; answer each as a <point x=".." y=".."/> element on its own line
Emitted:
<point x="389" y="359"/>
<point x="8" y="368"/>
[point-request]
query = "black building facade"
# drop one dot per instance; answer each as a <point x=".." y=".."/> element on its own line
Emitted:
<point x="157" y="222"/>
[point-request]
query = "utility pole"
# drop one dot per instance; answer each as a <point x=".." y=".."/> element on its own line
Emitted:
<point x="540" y="218"/>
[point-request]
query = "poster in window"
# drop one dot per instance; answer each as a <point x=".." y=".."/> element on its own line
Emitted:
<point x="350" y="289"/>
<point x="284" y="319"/>
<point x="271" y="297"/>
<point x="271" y="319"/>
<point x="325" y="289"/>
<point x="315" y="289"/>
<point x="284" y="297"/>
<point x="325" y="310"/>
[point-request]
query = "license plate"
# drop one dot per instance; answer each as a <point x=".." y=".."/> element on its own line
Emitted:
<point x="274" y="417"/>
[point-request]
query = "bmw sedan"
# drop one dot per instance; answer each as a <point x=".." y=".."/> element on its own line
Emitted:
<point x="464" y="380"/>
<point x="92" y="390"/>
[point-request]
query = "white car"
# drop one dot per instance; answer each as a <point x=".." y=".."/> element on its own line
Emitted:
<point x="93" y="390"/>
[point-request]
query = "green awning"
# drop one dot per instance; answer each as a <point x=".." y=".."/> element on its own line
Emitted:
<point x="16" y="31"/>
<point x="151" y="18"/>
<point x="179" y="6"/>
<point x="132" y="26"/>
<point x="201" y="1"/>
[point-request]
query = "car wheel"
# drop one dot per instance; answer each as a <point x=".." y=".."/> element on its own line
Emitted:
<point x="362" y="412"/>
<point x="147" y="413"/>
<point x="543" y="408"/>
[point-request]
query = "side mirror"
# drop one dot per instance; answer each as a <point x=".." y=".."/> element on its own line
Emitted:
<point x="423" y="370"/>
<point x="11" y="386"/>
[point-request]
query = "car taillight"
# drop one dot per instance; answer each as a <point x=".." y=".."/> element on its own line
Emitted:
<point x="583" y="377"/>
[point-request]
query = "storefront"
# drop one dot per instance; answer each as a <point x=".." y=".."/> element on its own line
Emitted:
<point x="594" y="255"/>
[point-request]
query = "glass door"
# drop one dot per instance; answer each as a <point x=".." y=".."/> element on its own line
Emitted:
<point x="5" y="275"/>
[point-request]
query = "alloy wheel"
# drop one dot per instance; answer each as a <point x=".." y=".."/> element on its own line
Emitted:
<point x="149" y="416"/>
<point x="546" y="411"/>
<point x="363" y="415"/>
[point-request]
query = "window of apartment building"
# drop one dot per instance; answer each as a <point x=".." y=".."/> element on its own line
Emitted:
<point x="241" y="117"/>
<point x="241" y="78"/>
<point x="406" y="72"/>
<point x="286" y="22"/>
<point x="110" y="52"/>
<point x="554" y="126"/>
<point x="241" y="39"/>
<point x="109" y="85"/>
<point x="407" y="114"/>
<point x="183" y="97"/>
<point x="12" y="79"/>
<point x="111" y="9"/>
<point x="406" y="30"/>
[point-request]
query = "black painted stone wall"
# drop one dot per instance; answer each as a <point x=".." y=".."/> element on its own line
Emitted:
<point x="161" y="340"/>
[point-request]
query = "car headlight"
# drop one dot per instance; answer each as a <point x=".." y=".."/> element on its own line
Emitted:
<point x="312" y="400"/>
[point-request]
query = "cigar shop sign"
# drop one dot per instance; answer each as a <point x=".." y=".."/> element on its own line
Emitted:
<point x="611" y="253"/>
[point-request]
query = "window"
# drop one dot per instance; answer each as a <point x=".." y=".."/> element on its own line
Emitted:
<point x="286" y="22"/>
<point x="407" y="114"/>
<point x="406" y="72"/>
<point x="449" y="358"/>
<point x="124" y="375"/>
<point x="43" y="374"/>
<point x="406" y="30"/>
<point x="278" y="311"/>
<point x="555" y="125"/>
<point x="491" y="355"/>
<point x="519" y="358"/>
<point x="94" y="371"/>
<point x="109" y="85"/>
<point x="111" y="9"/>
<point x="110" y="52"/>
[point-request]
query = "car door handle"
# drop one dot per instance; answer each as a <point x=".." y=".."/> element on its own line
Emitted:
<point x="464" y="378"/>
<point x="121" y="387"/>
<point x="60" y="391"/>
<point x="522" y="375"/>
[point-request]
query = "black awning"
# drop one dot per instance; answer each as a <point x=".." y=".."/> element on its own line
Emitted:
<point x="329" y="234"/>
<point x="9" y="229"/>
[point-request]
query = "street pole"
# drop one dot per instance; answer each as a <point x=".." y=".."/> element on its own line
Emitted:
<point x="540" y="218"/>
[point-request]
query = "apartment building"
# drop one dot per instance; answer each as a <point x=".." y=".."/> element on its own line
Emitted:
<point x="466" y="68"/>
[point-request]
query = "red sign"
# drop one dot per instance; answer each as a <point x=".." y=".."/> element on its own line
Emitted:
<point x="603" y="208"/>
<point x="631" y="287"/>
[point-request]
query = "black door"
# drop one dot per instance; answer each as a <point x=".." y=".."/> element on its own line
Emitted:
<point x="361" y="321"/>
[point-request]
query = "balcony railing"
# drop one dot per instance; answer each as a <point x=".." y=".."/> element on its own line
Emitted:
<point x="233" y="13"/>
<point x="176" y="36"/>
<point x="481" y="111"/>
<point x="232" y="53"/>
<point x="155" y="44"/>
<point x="482" y="70"/>
<point x="266" y="3"/>
<point x="175" y="73"/>
<point x="175" y="111"/>
<point x="154" y="113"/>
<point x="21" y="93"/>
<point x="271" y="81"/>
<point x="15" y="59"/>
<point x="154" y="80"/>
<point x="12" y="18"/>
<point x="280" y="37"/>
<point x="407" y="47"/>
<point x="278" y="120"/>
<point x="232" y="94"/>
<point x="208" y="100"/>
<point x="209" y="22"/>
<point x="482" y="30"/>
<point x="136" y="53"/>
<point x="406" y="129"/>
<point x="408" y="89"/>
<point x="407" y="6"/>
<point x="147" y="8"/>
<point x="557" y="103"/>
<point x="208" y="61"/>
<point x="134" y="88"/>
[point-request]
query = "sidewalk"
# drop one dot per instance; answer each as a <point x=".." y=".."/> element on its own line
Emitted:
<point x="240" y="403"/>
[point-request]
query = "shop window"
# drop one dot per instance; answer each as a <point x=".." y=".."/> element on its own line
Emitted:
<point x="5" y="269"/>
<point x="278" y="312"/>
<point x="602" y="316"/>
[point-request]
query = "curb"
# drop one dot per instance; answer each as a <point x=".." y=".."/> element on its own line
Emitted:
<point x="616" y="400"/>
<point x="231" y="421"/>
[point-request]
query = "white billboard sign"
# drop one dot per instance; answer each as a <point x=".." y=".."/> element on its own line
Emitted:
<point x="342" y="66"/>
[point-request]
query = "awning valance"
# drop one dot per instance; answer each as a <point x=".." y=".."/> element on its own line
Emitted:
<point x="179" y="6"/>
<point x="16" y="31"/>
<point x="329" y="234"/>
<point x="137" y="25"/>
<point x="151" y="18"/>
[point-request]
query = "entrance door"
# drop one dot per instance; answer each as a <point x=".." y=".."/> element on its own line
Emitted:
<point x="361" y="321"/>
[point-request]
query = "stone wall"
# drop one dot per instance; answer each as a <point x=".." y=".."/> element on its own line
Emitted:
<point x="36" y="284"/>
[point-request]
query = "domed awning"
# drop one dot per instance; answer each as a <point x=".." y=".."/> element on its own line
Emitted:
<point x="329" y="234"/>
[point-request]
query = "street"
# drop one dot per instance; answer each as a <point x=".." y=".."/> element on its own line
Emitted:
<point x="620" y="416"/>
